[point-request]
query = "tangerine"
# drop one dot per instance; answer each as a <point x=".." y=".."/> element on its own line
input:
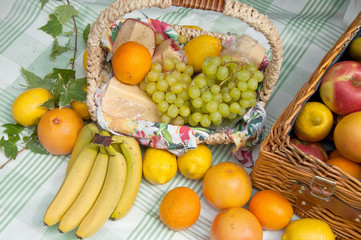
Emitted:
<point x="346" y="165"/>
<point x="180" y="208"/>
<point x="131" y="62"/>
<point x="334" y="153"/>
<point x="272" y="210"/>
<point x="58" y="129"/>
<point x="227" y="184"/>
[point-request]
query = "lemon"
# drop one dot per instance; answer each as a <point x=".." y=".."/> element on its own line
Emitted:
<point x="26" y="108"/>
<point x="81" y="107"/>
<point x="314" y="122"/>
<point x="192" y="27"/>
<point x="195" y="163"/>
<point x="159" y="166"/>
<point x="200" y="47"/>
<point x="308" y="229"/>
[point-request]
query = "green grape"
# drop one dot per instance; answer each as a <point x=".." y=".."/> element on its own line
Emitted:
<point x="185" y="78"/>
<point x="151" y="88"/>
<point x="191" y="122"/>
<point x="242" y="111"/>
<point x="177" y="87"/>
<point x="158" y="96"/>
<point x="205" y="121"/>
<point x="249" y="94"/>
<point x="196" y="117"/>
<point x="223" y="109"/>
<point x="224" y="89"/>
<point x="170" y="79"/>
<point x="222" y="73"/>
<point x="234" y="107"/>
<point x="226" y="59"/>
<point x="210" y="69"/>
<point x="189" y="70"/>
<point x="162" y="85"/>
<point x="170" y="97"/>
<point x="217" y="97"/>
<point x="206" y="96"/>
<point x="184" y="95"/>
<point x="207" y="60"/>
<point x="165" y="118"/>
<point x="243" y="86"/>
<point x="235" y="94"/>
<point x="231" y="85"/>
<point x="172" y="111"/>
<point x="177" y="75"/>
<point x="161" y="76"/>
<point x="168" y="64"/>
<point x="182" y="39"/>
<point x="194" y="91"/>
<point x="163" y="106"/>
<point x="244" y="103"/>
<point x="158" y="38"/>
<point x="258" y="75"/>
<point x="215" y="89"/>
<point x="185" y="120"/>
<point x="219" y="122"/>
<point x="157" y="67"/>
<point x="231" y="66"/>
<point x="212" y="106"/>
<point x="251" y="67"/>
<point x="226" y="97"/>
<point x="187" y="103"/>
<point x="252" y="83"/>
<point x="232" y="116"/>
<point x="200" y="81"/>
<point x="153" y="76"/>
<point x="215" y="117"/>
<point x="159" y="113"/>
<point x="216" y="61"/>
<point x="143" y="85"/>
<point x="204" y="108"/>
<point x="197" y="102"/>
<point x="179" y="121"/>
<point x="252" y="102"/>
<point x="184" y="111"/>
<point x="179" y="102"/>
<point x="175" y="60"/>
<point x="180" y="66"/>
<point x="210" y="81"/>
<point x="243" y="75"/>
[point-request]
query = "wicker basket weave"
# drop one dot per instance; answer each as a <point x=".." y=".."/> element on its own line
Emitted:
<point x="315" y="189"/>
<point x="261" y="23"/>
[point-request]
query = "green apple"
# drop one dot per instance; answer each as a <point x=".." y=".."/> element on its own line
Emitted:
<point x="354" y="49"/>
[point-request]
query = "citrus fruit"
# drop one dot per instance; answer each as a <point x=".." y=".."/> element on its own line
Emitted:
<point x="192" y="27"/>
<point x="159" y="166"/>
<point x="227" y="184"/>
<point x="195" y="163"/>
<point x="26" y="108"/>
<point x="201" y="47"/>
<point x="334" y="153"/>
<point x="180" y="208"/>
<point x="58" y="130"/>
<point x="314" y="122"/>
<point x="85" y="56"/>
<point x="131" y="62"/>
<point x="81" y="107"/>
<point x="346" y="165"/>
<point x="308" y="228"/>
<point x="272" y="210"/>
<point x="347" y="136"/>
<point x="236" y="223"/>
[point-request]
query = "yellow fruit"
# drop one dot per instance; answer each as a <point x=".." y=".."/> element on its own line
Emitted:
<point x="314" y="122"/>
<point x="81" y="107"/>
<point x="159" y="166"/>
<point x="308" y="229"/>
<point x="201" y="47"/>
<point x="354" y="49"/>
<point x="26" y="108"/>
<point x="192" y="27"/>
<point x="85" y="56"/>
<point x="195" y="163"/>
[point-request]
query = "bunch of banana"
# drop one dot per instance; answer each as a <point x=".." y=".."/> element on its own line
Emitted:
<point x="102" y="182"/>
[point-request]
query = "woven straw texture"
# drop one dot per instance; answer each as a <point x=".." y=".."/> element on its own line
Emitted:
<point x="283" y="167"/>
<point x="260" y="22"/>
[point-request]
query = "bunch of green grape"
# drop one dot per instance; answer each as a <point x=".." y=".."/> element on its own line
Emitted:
<point x="224" y="90"/>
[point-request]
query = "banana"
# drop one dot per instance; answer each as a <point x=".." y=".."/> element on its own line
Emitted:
<point x="133" y="157"/>
<point x="85" y="136"/>
<point x="72" y="185"/>
<point x="88" y="194"/>
<point x="108" y="197"/>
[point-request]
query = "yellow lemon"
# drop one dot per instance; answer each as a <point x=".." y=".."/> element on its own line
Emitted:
<point x="192" y="27"/>
<point x="201" y="47"/>
<point x="308" y="229"/>
<point x="85" y="56"/>
<point x="81" y="107"/>
<point x="159" y="166"/>
<point x="26" y="108"/>
<point x="314" y="122"/>
<point x="195" y="163"/>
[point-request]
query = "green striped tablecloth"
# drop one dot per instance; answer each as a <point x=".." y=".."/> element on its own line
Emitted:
<point x="308" y="29"/>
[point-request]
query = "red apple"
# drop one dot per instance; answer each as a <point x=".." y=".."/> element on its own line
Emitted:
<point x="312" y="148"/>
<point x="340" y="88"/>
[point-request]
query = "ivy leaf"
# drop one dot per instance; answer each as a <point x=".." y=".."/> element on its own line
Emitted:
<point x="53" y="27"/>
<point x="86" y="34"/>
<point x="65" y="12"/>
<point x="58" y="50"/>
<point x="74" y="91"/>
<point x="11" y="128"/>
<point x="67" y="74"/>
<point x="43" y="2"/>
<point x="10" y="148"/>
<point x="58" y="89"/>
<point x="33" y="144"/>
<point x="34" y="81"/>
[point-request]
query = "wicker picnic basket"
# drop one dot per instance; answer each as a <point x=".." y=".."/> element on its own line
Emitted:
<point x="314" y="188"/>
<point x="260" y="22"/>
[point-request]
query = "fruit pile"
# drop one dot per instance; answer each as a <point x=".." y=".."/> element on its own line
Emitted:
<point x="332" y="116"/>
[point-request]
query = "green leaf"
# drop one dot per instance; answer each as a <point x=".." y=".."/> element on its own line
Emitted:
<point x="43" y="2"/>
<point x="14" y="138"/>
<point x="10" y="148"/>
<point x="53" y="27"/>
<point x="33" y="144"/>
<point x="74" y="91"/>
<point x="34" y="81"/>
<point x="67" y="74"/>
<point x="58" y="89"/>
<point x="86" y="34"/>
<point x="58" y="50"/>
<point x="65" y="12"/>
<point x="11" y="128"/>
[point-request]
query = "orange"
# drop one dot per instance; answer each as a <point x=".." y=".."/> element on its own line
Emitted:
<point x="334" y="154"/>
<point x="346" y="165"/>
<point x="227" y="184"/>
<point x="58" y="129"/>
<point x="234" y="224"/>
<point x="314" y="122"/>
<point x="131" y="62"/>
<point x="180" y="208"/>
<point x="81" y="107"/>
<point x="272" y="210"/>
